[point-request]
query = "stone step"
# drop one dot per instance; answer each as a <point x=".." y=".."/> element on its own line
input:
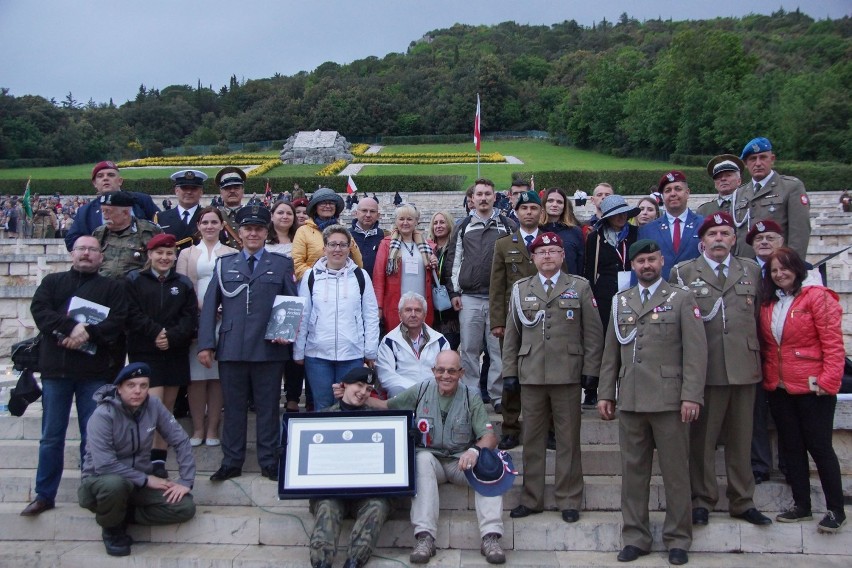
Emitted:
<point x="602" y="493"/>
<point x="594" y="532"/>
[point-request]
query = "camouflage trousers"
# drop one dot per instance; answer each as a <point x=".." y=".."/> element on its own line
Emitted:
<point x="369" y="514"/>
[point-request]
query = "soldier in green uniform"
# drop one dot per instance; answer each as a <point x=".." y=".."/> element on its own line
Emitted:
<point x="231" y="181"/>
<point x="370" y="513"/>
<point x="122" y="237"/>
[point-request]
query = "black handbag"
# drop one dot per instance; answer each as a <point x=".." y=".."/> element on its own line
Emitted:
<point x="25" y="354"/>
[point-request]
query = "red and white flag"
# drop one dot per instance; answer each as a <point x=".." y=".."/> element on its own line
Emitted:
<point x="350" y="186"/>
<point x="477" y="138"/>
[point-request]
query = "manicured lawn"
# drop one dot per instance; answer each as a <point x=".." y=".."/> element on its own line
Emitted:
<point x="85" y="172"/>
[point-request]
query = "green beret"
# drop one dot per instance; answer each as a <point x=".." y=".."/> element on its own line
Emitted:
<point x="528" y="197"/>
<point x="641" y="247"/>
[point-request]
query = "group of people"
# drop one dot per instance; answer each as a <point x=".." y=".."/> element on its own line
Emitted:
<point x="680" y="321"/>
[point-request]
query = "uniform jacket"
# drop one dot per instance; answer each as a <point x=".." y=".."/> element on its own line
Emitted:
<point x="565" y="344"/>
<point x="811" y="343"/>
<point x="244" y="316"/>
<point x="784" y="200"/>
<point x="368" y="243"/>
<point x="154" y="306"/>
<point x="470" y="252"/>
<point x="308" y="248"/>
<point x="399" y="367"/>
<point x="119" y="442"/>
<point x="659" y="231"/>
<point x="733" y="346"/>
<point x="388" y="287"/>
<point x="50" y="312"/>
<point x="89" y="218"/>
<point x="125" y="250"/>
<point x="172" y="223"/>
<point x="511" y="262"/>
<point x="666" y="362"/>
<point x="339" y="323"/>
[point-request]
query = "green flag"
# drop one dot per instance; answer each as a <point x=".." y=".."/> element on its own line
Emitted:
<point x="27" y="207"/>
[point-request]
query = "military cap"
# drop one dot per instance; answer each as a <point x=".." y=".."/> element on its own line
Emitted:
<point x="545" y="239"/>
<point x="189" y="178"/>
<point x="229" y="176"/>
<point x="767" y="226"/>
<point x="724" y="163"/>
<point x="105" y="165"/>
<point x="132" y="371"/>
<point x="360" y="375"/>
<point x="116" y="199"/>
<point x="528" y="197"/>
<point x="720" y="219"/>
<point x="641" y="247"/>
<point x="755" y="146"/>
<point x="670" y="177"/>
<point x="161" y="240"/>
<point x="253" y="215"/>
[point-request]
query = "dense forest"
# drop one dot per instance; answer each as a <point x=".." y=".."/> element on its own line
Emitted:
<point x="652" y="88"/>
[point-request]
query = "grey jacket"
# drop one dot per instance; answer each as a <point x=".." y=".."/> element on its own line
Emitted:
<point x="119" y="442"/>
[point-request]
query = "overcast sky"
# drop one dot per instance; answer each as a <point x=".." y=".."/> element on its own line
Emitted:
<point x="99" y="49"/>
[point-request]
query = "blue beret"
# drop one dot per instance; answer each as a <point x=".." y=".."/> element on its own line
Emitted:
<point x="132" y="371"/>
<point x="756" y="145"/>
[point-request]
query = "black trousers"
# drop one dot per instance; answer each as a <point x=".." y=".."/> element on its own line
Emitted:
<point x="805" y="424"/>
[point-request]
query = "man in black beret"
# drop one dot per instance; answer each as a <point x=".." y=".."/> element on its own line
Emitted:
<point x="122" y="237"/>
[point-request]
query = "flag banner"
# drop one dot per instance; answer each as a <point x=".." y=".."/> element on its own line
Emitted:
<point x="27" y="207"/>
<point x="477" y="138"/>
<point x="350" y="186"/>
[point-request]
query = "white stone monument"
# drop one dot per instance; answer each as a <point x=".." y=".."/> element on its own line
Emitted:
<point x="315" y="147"/>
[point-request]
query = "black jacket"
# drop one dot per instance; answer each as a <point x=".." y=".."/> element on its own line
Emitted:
<point x="50" y="312"/>
<point x="154" y="305"/>
<point x="603" y="276"/>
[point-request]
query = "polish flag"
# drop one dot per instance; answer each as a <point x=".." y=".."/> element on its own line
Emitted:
<point x="477" y="138"/>
<point x="350" y="186"/>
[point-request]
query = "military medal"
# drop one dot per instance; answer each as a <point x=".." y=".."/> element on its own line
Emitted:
<point x="655" y="316"/>
<point x="630" y="319"/>
<point x="772" y="209"/>
<point x="569" y="314"/>
<point x="705" y="290"/>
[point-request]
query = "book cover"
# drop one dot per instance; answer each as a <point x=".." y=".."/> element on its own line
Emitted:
<point x="285" y="318"/>
<point x="86" y="312"/>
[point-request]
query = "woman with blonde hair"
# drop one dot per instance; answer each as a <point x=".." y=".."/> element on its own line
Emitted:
<point x="441" y="229"/>
<point x="404" y="263"/>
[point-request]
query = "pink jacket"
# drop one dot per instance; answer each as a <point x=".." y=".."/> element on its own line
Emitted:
<point x="811" y="343"/>
<point x="388" y="287"/>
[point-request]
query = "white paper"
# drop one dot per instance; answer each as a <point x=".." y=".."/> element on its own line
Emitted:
<point x="326" y="459"/>
<point x="624" y="277"/>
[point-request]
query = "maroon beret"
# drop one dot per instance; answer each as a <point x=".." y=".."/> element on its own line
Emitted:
<point x="670" y="177"/>
<point x="544" y="239"/>
<point x="720" y="219"/>
<point x="767" y="226"/>
<point x="161" y="240"/>
<point x="105" y="165"/>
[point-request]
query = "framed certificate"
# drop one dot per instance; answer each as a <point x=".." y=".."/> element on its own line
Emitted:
<point x="346" y="454"/>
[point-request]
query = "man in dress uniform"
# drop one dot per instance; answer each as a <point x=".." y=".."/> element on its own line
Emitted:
<point x="656" y="351"/>
<point x="181" y="221"/>
<point x="231" y="181"/>
<point x="726" y="172"/>
<point x="553" y="337"/>
<point x="512" y="262"/>
<point x="726" y="289"/>
<point x="245" y="284"/>
<point x="122" y="237"/>
<point x="770" y="195"/>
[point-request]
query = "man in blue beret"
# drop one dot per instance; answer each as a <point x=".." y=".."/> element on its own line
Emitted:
<point x="770" y="195"/>
<point x="117" y="481"/>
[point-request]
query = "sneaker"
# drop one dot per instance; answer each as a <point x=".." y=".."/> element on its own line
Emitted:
<point x="795" y="514"/>
<point x="423" y="550"/>
<point x="491" y="549"/>
<point x="831" y="523"/>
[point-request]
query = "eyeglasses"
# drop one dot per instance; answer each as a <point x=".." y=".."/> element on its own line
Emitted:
<point x="337" y="245"/>
<point x="442" y="370"/>
<point x="548" y="252"/>
<point x="87" y="249"/>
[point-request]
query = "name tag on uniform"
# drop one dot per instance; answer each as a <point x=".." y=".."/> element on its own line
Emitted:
<point x="530" y="299"/>
<point x="664" y="308"/>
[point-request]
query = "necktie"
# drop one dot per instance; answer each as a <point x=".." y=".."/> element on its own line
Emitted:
<point x="757" y="186"/>
<point x="548" y="286"/>
<point x="676" y="235"/>
<point x="251" y="262"/>
<point x="161" y="278"/>
<point x="529" y="240"/>
<point x="646" y="295"/>
<point x="186" y="217"/>
<point x="720" y="274"/>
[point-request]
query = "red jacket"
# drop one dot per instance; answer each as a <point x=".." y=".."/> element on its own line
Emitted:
<point x="388" y="287"/>
<point x="811" y="343"/>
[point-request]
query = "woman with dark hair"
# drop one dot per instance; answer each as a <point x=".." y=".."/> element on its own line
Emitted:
<point x="803" y="357"/>
<point x="301" y="207"/>
<point x="323" y="211"/>
<point x="649" y="211"/>
<point x="557" y="216"/>
<point x="282" y="228"/>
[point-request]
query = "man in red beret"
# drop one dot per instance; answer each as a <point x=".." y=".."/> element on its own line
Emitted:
<point x="726" y="289"/>
<point x="676" y="231"/>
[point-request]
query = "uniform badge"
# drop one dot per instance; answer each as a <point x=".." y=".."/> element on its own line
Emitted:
<point x="804" y="199"/>
<point x="705" y="290"/>
<point x="630" y="319"/>
<point x="624" y="301"/>
<point x="174" y="291"/>
<point x="697" y="282"/>
<point x="760" y="226"/>
<point x="594" y="302"/>
<point x="530" y="299"/>
<point x="569" y="294"/>
<point x="696" y="312"/>
<point x="772" y="209"/>
<point x="655" y="317"/>
<point x="718" y="219"/>
<point x="569" y="314"/>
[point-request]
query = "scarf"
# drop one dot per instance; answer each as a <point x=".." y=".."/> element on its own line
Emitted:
<point x="392" y="266"/>
<point x="321" y="225"/>
<point x="612" y="238"/>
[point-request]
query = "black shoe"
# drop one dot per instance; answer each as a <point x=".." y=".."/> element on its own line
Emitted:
<point x="486" y="398"/>
<point x="630" y="553"/>
<point x="158" y="469"/>
<point x="508" y="441"/>
<point x="522" y="511"/>
<point x="551" y="441"/>
<point x="37" y="507"/>
<point x="760" y="477"/>
<point x="591" y="399"/>
<point x="678" y="556"/>
<point x="269" y="472"/>
<point x="225" y="472"/>
<point x="116" y="541"/>
<point x="321" y="565"/>
<point x="700" y="516"/>
<point x="570" y="515"/>
<point x="754" y="517"/>
<point x="498" y="408"/>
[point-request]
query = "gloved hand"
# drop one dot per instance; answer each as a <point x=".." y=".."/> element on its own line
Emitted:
<point x="511" y="384"/>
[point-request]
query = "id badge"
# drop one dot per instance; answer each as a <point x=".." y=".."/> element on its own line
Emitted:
<point x="411" y="265"/>
<point x="624" y="277"/>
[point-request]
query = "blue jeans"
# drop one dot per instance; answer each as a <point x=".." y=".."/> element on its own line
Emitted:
<point x="322" y="373"/>
<point x="57" y="395"/>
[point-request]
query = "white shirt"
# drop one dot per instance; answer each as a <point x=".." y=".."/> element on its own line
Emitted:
<point x="191" y="211"/>
<point x="651" y="289"/>
<point x="671" y="220"/>
<point x="713" y="264"/>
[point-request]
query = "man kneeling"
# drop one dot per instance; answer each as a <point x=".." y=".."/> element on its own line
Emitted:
<point x="370" y="512"/>
<point x="117" y="484"/>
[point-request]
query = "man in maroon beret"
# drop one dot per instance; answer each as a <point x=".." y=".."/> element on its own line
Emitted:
<point x="726" y="289"/>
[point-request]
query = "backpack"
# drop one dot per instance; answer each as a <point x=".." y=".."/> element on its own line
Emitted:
<point x="359" y="275"/>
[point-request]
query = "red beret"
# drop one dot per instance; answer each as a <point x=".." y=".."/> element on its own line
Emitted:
<point x="105" y="165"/>
<point x="670" y="177"/>
<point x="767" y="226"/>
<point x="720" y="219"/>
<point x="161" y="240"/>
<point x="301" y="202"/>
<point x="544" y="239"/>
